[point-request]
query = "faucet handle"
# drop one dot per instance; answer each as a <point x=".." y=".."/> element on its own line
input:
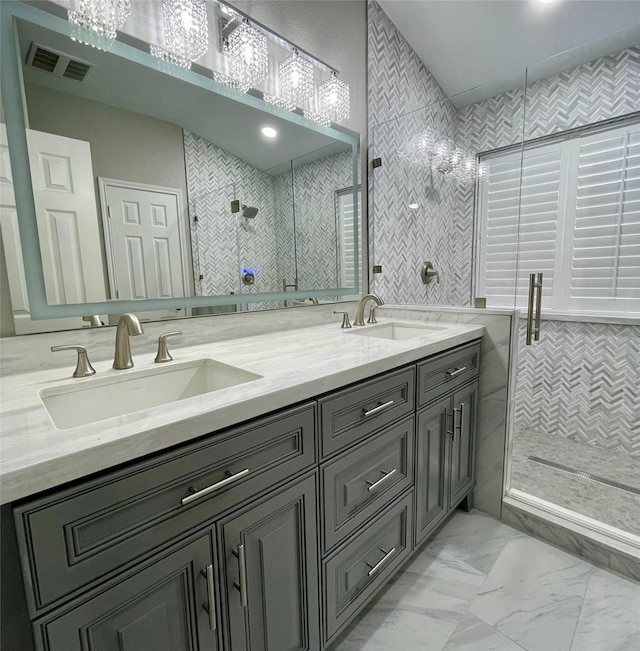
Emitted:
<point x="372" y="314"/>
<point x="83" y="366"/>
<point x="163" y="352"/>
<point x="345" y="319"/>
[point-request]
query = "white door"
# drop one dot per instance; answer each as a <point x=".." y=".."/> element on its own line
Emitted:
<point x="144" y="236"/>
<point x="67" y="214"/>
<point x="10" y="236"/>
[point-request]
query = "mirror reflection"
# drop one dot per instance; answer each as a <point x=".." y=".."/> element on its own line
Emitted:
<point x="147" y="186"/>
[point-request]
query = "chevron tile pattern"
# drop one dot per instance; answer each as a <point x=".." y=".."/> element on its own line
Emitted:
<point x="223" y="243"/>
<point x="581" y="381"/>
<point x="398" y="80"/>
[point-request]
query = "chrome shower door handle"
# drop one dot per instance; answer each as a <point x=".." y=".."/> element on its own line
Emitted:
<point x="535" y="299"/>
<point x="538" y="319"/>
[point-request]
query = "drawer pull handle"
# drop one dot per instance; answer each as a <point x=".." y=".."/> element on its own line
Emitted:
<point x="380" y="563"/>
<point x="210" y="606"/>
<point x="455" y="372"/>
<point x="196" y="495"/>
<point x="376" y="410"/>
<point x="241" y="587"/>
<point x="375" y="484"/>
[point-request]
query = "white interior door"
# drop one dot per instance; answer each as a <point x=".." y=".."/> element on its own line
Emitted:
<point x="67" y="215"/>
<point x="10" y="235"/>
<point x="145" y="241"/>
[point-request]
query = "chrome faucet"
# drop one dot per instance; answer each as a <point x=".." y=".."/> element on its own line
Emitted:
<point x="128" y="326"/>
<point x="362" y="304"/>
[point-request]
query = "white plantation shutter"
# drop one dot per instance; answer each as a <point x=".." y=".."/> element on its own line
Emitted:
<point x="572" y="213"/>
<point x="346" y="230"/>
<point x="519" y="227"/>
<point x="605" y="265"/>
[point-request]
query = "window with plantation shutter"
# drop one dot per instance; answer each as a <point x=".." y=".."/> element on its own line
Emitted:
<point x="346" y="231"/>
<point x="571" y="210"/>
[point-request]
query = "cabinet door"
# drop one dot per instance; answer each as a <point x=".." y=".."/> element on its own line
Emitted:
<point x="271" y="573"/>
<point x="160" y="608"/>
<point x="431" y="498"/>
<point x="462" y="460"/>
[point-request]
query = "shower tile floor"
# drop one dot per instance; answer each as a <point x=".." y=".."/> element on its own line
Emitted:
<point x="482" y="586"/>
<point x="607" y="504"/>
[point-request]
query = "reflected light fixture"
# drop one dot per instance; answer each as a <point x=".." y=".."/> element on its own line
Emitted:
<point x="186" y="32"/>
<point x="247" y="50"/>
<point x="333" y="99"/>
<point x="96" y="21"/>
<point x="269" y="132"/>
<point x="413" y="206"/>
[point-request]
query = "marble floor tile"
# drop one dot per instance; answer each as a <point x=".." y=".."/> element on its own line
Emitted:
<point x="472" y="634"/>
<point x="480" y="585"/>
<point x="610" y="615"/>
<point x="477" y="539"/>
<point x="533" y="595"/>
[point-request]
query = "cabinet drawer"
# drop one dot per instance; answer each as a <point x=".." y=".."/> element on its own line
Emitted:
<point x="103" y="525"/>
<point x="360" y="483"/>
<point x="354" y="573"/>
<point x="349" y="415"/>
<point x="443" y="373"/>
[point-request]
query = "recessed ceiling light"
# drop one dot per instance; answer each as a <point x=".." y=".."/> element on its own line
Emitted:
<point x="269" y="132"/>
<point x="414" y="206"/>
<point x="545" y="2"/>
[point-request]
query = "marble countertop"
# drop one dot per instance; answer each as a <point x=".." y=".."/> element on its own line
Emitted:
<point x="295" y="365"/>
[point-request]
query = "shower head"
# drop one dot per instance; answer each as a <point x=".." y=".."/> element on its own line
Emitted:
<point x="249" y="211"/>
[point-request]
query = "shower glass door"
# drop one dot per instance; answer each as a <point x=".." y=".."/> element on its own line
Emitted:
<point x="576" y="434"/>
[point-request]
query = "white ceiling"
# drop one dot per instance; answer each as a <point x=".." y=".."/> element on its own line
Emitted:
<point x="479" y="48"/>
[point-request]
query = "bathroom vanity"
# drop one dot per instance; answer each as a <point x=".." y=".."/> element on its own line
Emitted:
<point x="272" y="531"/>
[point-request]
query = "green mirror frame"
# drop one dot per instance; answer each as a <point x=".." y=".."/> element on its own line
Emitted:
<point x="12" y="93"/>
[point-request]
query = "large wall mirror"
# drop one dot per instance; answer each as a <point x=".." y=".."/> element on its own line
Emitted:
<point x="156" y="189"/>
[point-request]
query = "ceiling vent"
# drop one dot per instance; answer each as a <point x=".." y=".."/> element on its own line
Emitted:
<point x="57" y="63"/>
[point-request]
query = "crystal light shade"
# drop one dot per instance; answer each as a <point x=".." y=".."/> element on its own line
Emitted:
<point x="186" y="32"/>
<point x="230" y="82"/>
<point x="333" y="99"/>
<point x="318" y="118"/>
<point x="296" y="80"/>
<point x="97" y="21"/>
<point x="247" y="50"/>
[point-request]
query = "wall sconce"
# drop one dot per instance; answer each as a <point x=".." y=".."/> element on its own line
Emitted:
<point x="97" y="21"/>
<point x="186" y="32"/>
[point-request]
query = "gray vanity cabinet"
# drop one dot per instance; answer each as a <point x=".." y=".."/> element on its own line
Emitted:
<point x="445" y="467"/>
<point x="431" y="455"/>
<point x="461" y="475"/>
<point x="162" y="607"/>
<point x="271" y="573"/>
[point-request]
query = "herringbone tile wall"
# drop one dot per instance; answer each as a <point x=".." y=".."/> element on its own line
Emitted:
<point x="581" y="381"/>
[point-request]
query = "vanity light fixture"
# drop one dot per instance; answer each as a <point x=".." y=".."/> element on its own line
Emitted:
<point x="247" y="50"/>
<point x="186" y="32"/>
<point x="96" y="21"/>
<point x="269" y="132"/>
<point x="296" y="79"/>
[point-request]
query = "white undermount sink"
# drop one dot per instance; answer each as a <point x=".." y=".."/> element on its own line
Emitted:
<point x="398" y="331"/>
<point x="95" y="399"/>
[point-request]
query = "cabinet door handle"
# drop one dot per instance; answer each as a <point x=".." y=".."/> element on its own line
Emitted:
<point x="241" y="586"/>
<point x="458" y="427"/>
<point x="382" y="561"/>
<point x="377" y="410"/>
<point x="451" y="431"/>
<point x="196" y="495"/>
<point x="375" y="484"/>
<point x="455" y="372"/>
<point x="210" y="606"/>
